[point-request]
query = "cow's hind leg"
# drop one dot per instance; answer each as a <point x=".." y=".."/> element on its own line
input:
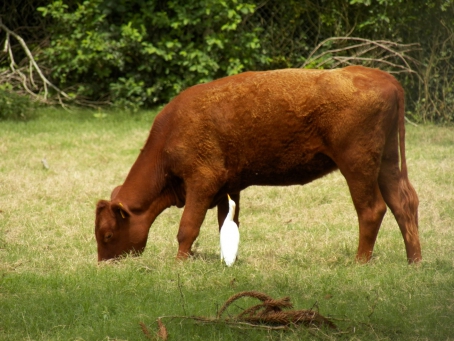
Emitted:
<point x="402" y="199"/>
<point x="362" y="180"/>
<point x="371" y="209"/>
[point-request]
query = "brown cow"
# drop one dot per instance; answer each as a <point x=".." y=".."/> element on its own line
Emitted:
<point x="283" y="127"/>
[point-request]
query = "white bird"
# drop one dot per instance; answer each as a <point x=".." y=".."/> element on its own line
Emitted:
<point x="229" y="236"/>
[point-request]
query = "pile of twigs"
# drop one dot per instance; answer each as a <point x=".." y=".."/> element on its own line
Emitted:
<point x="270" y="314"/>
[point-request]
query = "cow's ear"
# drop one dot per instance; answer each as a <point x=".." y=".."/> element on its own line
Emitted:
<point x="121" y="209"/>
<point x="101" y="205"/>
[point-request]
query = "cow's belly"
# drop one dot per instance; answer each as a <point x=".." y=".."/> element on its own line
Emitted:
<point x="276" y="174"/>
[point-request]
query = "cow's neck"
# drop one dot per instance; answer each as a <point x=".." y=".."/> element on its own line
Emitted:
<point x="144" y="189"/>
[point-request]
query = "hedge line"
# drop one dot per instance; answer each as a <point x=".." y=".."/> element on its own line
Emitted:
<point x="138" y="53"/>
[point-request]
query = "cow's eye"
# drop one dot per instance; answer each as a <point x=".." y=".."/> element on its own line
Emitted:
<point x="108" y="237"/>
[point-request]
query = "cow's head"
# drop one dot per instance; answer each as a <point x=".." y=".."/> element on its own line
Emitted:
<point x="118" y="231"/>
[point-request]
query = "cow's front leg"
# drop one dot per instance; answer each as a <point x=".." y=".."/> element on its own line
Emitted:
<point x="191" y="221"/>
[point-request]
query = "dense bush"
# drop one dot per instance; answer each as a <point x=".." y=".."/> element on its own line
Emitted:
<point x="16" y="107"/>
<point x="142" y="52"/>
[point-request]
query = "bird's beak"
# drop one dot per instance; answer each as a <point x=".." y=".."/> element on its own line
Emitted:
<point x="228" y="196"/>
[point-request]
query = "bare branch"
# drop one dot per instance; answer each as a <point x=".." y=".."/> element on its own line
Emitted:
<point x="381" y="60"/>
<point x="32" y="66"/>
<point x="383" y="52"/>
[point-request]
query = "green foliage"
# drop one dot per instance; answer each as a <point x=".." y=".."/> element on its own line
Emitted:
<point x="16" y="107"/>
<point x="138" y="53"/>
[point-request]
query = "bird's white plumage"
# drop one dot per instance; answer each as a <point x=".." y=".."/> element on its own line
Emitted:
<point x="229" y="236"/>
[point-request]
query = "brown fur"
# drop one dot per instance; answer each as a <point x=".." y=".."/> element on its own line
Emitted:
<point x="280" y="127"/>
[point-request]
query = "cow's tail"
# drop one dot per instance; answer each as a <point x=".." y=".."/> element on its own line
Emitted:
<point x="408" y="195"/>
<point x="401" y="129"/>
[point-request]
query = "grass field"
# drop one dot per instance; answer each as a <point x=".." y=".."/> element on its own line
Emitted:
<point x="295" y="241"/>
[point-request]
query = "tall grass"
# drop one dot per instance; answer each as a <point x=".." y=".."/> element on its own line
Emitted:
<point x="295" y="241"/>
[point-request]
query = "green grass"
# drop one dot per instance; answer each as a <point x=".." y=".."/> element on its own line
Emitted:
<point x="295" y="241"/>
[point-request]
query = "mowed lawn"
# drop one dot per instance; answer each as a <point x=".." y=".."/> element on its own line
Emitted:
<point x="296" y="241"/>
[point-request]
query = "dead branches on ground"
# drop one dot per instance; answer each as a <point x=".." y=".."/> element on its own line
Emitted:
<point x="271" y="314"/>
<point x="274" y="312"/>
